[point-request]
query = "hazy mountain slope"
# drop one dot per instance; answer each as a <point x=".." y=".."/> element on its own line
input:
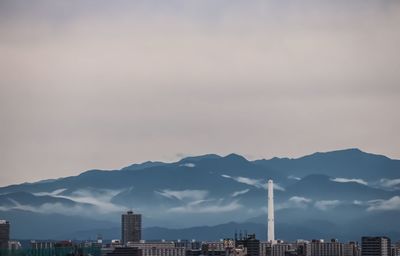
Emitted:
<point x="332" y="188"/>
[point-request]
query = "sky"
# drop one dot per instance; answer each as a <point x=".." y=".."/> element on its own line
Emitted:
<point x="103" y="84"/>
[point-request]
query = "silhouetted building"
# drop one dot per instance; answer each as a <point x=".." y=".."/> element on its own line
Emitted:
<point x="303" y="248"/>
<point x="396" y="249"/>
<point x="213" y="248"/>
<point x="14" y="245"/>
<point x="281" y="249"/>
<point x="158" y="248"/>
<point x="321" y="248"/>
<point x="188" y="244"/>
<point x="4" y="234"/>
<point x="265" y="248"/>
<point x="131" y="227"/>
<point x="125" y="251"/>
<point x="375" y="246"/>
<point x="194" y="252"/>
<point x="352" y="249"/>
<point x="251" y="244"/>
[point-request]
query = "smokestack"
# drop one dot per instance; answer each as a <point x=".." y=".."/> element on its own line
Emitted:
<point x="271" y="220"/>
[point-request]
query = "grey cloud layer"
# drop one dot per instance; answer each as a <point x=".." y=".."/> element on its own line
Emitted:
<point x="85" y="86"/>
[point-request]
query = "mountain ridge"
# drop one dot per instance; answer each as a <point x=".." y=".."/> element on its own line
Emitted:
<point x="210" y="190"/>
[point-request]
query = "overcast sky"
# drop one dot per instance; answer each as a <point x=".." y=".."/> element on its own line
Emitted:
<point x="103" y="84"/>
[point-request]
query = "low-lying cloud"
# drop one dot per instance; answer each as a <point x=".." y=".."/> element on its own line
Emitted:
<point x="241" y="192"/>
<point x="326" y="204"/>
<point x="345" y="180"/>
<point x="48" y="208"/>
<point x="392" y="184"/>
<point x="294" y="202"/>
<point x="53" y="193"/>
<point x="100" y="199"/>
<point x="258" y="183"/>
<point x="190" y="165"/>
<point x="292" y="177"/>
<point x="207" y="206"/>
<point x="384" y="205"/>
<point x="183" y="195"/>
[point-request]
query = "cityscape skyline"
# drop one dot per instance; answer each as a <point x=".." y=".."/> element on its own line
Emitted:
<point x="248" y="245"/>
<point x="199" y="128"/>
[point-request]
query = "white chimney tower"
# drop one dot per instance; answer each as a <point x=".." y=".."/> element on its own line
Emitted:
<point x="271" y="223"/>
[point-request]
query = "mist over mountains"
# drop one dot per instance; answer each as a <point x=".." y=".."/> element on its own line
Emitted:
<point x="343" y="194"/>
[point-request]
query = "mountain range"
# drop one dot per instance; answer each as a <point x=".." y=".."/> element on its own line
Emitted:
<point x="343" y="194"/>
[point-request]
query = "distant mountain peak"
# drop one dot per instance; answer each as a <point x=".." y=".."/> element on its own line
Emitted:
<point x="144" y="165"/>
<point x="235" y="156"/>
<point x="346" y="153"/>
<point x="199" y="158"/>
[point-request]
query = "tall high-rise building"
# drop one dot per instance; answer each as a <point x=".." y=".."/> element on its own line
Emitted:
<point x="375" y="246"/>
<point x="4" y="234"/>
<point x="131" y="227"/>
<point x="271" y="221"/>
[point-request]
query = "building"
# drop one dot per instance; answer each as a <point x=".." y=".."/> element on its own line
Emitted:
<point x="352" y="249"/>
<point x="188" y="244"/>
<point x="125" y="251"/>
<point x="14" y="245"/>
<point x="280" y="249"/>
<point x="396" y="249"/>
<point x="271" y="218"/>
<point x="251" y="244"/>
<point x="226" y="247"/>
<point x="131" y="227"/>
<point x="303" y="248"/>
<point x="322" y="248"/>
<point x="194" y="252"/>
<point x="4" y="234"/>
<point x="158" y="248"/>
<point x="213" y="248"/>
<point x="375" y="246"/>
<point x="265" y="248"/>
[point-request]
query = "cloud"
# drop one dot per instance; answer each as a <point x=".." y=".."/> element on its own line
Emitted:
<point x="57" y="208"/>
<point x="278" y="187"/>
<point x="292" y="177"/>
<point x="98" y="198"/>
<point x="300" y="200"/>
<point x="258" y="183"/>
<point x="183" y="194"/>
<point x="345" y="180"/>
<point x="248" y="181"/>
<point x="207" y="206"/>
<point x="326" y="204"/>
<point x="190" y="165"/>
<point x="389" y="183"/>
<point x="384" y="205"/>
<point x="241" y="192"/>
<point x="53" y="193"/>
<point x="294" y="202"/>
